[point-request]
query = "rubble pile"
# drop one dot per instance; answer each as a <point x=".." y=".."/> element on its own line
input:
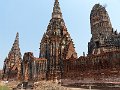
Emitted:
<point x="49" y="86"/>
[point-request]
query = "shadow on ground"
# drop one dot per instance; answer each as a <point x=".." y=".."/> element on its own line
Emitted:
<point x="92" y="86"/>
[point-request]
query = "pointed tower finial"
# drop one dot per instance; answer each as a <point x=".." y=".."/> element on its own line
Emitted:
<point x="56" y="10"/>
<point x="17" y="36"/>
<point x="16" y="43"/>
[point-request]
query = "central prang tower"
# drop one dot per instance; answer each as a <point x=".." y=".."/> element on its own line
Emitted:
<point x="56" y="45"/>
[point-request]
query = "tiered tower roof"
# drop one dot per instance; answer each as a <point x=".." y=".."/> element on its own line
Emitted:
<point x="56" y="10"/>
<point x="15" y="48"/>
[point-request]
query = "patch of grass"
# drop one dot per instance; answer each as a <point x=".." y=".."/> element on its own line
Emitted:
<point x="4" y="88"/>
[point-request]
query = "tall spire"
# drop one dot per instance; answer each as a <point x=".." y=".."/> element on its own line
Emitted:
<point x="17" y="38"/>
<point x="13" y="62"/>
<point x="16" y="44"/>
<point x="56" y="10"/>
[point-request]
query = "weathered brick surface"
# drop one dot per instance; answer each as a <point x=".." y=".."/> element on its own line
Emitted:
<point x="12" y="63"/>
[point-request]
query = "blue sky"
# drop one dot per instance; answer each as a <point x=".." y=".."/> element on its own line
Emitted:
<point x="31" y="17"/>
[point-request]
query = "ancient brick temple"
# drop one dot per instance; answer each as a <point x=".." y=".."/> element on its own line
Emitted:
<point x="56" y="44"/>
<point x="58" y="58"/>
<point x="12" y="63"/>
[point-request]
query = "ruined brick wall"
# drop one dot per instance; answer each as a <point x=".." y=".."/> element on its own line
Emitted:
<point x="40" y="68"/>
<point x="27" y="67"/>
<point x="97" y="67"/>
<point x="33" y="69"/>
